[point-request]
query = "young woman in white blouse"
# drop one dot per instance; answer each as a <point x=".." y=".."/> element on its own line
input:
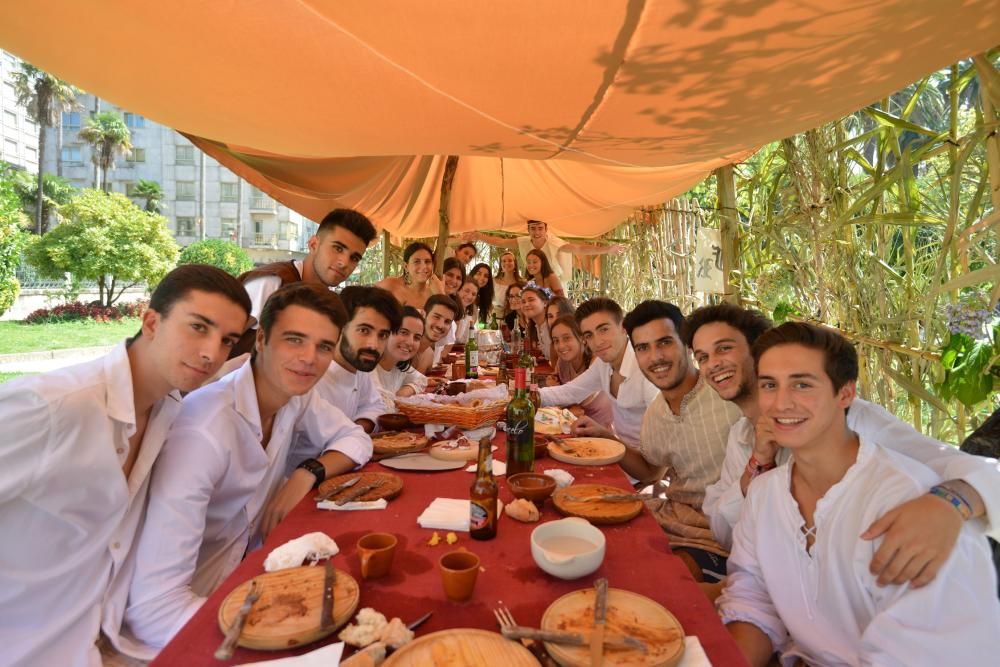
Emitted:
<point x="467" y="296"/>
<point x="395" y="373"/>
<point x="507" y="275"/>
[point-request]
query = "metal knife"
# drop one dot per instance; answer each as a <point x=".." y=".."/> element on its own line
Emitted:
<point x="326" y="495"/>
<point x="225" y="650"/>
<point x="600" y="615"/>
<point x="329" y="579"/>
<point x="358" y="491"/>
<point x="572" y="638"/>
<point x="609" y="498"/>
<point x="420" y="621"/>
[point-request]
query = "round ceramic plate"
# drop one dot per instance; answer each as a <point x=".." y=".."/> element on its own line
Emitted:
<point x="289" y="609"/>
<point x="461" y="449"/>
<point x="629" y="614"/>
<point x="421" y="462"/>
<point x="462" y="647"/>
<point x="587" y="451"/>
<point x="391" y="443"/>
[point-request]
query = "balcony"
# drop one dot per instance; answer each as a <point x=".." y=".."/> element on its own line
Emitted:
<point x="274" y="242"/>
<point x="263" y="204"/>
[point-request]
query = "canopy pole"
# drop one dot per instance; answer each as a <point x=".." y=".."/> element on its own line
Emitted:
<point x="385" y="253"/>
<point x="726" y="187"/>
<point x="450" y="166"/>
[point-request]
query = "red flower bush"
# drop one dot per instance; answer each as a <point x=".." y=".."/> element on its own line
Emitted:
<point x="75" y="311"/>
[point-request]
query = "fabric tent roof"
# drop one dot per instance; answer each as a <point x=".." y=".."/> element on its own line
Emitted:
<point x="573" y="112"/>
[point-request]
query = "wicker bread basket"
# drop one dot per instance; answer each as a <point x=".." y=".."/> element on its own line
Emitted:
<point x="463" y="416"/>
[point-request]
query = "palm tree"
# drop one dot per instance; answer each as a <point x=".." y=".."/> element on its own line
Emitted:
<point x="151" y="192"/>
<point x="45" y="97"/>
<point x="56" y="191"/>
<point x="107" y="132"/>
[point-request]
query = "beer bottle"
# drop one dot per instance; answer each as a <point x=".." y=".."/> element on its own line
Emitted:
<point x="516" y="344"/>
<point x="527" y="361"/>
<point x="520" y="429"/>
<point x="471" y="356"/>
<point x="503" y="377"/>
<point x="534" y="396"/>
<point x="493" y="321"/>
<point x="483" y="496"/>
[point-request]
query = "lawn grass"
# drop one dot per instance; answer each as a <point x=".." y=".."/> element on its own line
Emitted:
<point x="6" y="377"/>
<point x="18" y="337"/>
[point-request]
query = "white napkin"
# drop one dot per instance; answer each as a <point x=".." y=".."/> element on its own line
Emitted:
<point x="449" y="514"/>
<point x="311" y="546"/>
<point x="499" y="467"/>
<point x="328" y="656"/>
<point x="563" y="478"/>
<point x="379" y="504"/>
<point x="694" y="654"/>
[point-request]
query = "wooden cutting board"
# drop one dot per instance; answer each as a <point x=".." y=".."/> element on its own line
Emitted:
<point x="392" y="443"/>
<point x="459" y="449"/>
<point x="462" y="647"/>
<point x="587" y="451"/>
<point x="628" y="614"/>
<point x="596" y="511"/>
<point x="288" y="611"/>
<point x="391" y="486"/>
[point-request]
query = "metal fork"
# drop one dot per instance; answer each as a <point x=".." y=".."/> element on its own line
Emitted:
<point x="225" y="650"/>
<point x="506" y="620"/>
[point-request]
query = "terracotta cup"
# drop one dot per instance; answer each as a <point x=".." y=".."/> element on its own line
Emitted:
<point x="459" y="570"/>
<point x="376" y="551"/>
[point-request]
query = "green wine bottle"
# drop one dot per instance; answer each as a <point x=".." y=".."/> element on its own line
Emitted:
<point x="471" y="356"/>
<point x="520" y="429"/>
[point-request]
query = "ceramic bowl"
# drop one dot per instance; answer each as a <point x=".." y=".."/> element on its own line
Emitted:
<point x="393" y="422"/>
<point x="532" y="486"/>
<point x="568" y="548"/>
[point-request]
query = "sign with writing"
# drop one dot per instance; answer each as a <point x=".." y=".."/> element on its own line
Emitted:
<point x="708" y="275"/>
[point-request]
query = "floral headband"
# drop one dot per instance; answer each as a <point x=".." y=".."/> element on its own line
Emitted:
<point x="538" y="288"/>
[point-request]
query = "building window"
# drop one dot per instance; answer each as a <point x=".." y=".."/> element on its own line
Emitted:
<point x="10" y="119"/>
<point x="229" y="229"/>
<point x="258" y="226"/>
<point x="129" y="188"/>
<point x="71" y="155"/>
<point x="137" y="155"/>
<point x="134" y="120"/>
<point x="229" y="191"/>
<point x="71" y="121"/>
<point x="289" y="231"/>
<point x="185" y="191"/>
<point x="31" y="153"/>
<point x="9" y="149"/>
<point x="185" y="226"/>
<point x="184" y="155"/>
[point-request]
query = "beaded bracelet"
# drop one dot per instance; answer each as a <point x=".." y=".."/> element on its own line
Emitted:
<point x="960" y="503"/>
<point x="756" y="469"/>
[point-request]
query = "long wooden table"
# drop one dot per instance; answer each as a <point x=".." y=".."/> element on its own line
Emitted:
<point x="638" y="558"/>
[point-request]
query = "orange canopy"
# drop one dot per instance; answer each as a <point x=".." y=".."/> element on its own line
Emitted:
<point x="568" y="111"/>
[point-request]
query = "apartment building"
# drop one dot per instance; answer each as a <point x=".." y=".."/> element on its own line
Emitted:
<point x="18" y="132"/>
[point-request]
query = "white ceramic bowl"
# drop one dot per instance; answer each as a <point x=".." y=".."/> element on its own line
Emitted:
<point x="571" y="559"/>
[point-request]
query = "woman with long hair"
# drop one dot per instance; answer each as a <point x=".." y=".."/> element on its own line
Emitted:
<point x="452" y="276"/>
<point x="535" y="299"/>
<point x="396" y="374"/>
<point x="466" y="298"/>
<point x="512" y="315"/>
<point x="507" y="275"/>
<point x="418" y="281"/>
<point x="539" y="271"/>
<point x="482" y="275"/>
<point x="571" y="358"/>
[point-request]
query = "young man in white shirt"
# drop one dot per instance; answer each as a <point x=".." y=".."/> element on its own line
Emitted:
<point x="334" y="252"/>
<point x="442" y="311"/>
<point x="799" y="582"/>
<point x="684" y="434"/>
<point x="78" y="444"/>
<point x="219" y="485"/>
<point x="373" y="314"/>
<point x="919" y="534"/>
<point x="614" y="372"/>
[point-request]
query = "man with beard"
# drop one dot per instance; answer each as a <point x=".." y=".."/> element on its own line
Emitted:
<point x="442" y="311"/>
<point x="373" y="313"/>
<point x="613" y="372"/>
<point x="918" y="535"/>
<point x="219" y="486"/>
<point x="683" y="437"/>
<point x="334" y="251"/>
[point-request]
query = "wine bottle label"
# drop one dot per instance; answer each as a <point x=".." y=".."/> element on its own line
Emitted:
<point x="518" y="430"/>
<point x="479" y="516"/>
<point x="474" y="358"/>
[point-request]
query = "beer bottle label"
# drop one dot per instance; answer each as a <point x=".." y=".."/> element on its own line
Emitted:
<point x="478" y="516"/>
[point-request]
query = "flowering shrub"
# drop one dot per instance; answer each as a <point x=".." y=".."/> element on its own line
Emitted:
<point x="75" y="311"/>
<point x="971" y="357"/>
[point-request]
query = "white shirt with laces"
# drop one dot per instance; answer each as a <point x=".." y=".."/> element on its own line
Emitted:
<point x="823" y="605"/>
<point x="209" y="489"/>
<point x="724" y="499"/>
<point x="634" y="394"/>
<point x="68" y="516"/>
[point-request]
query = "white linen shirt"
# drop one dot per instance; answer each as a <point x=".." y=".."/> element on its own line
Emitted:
<point x="393" y="380"/>
<point x="634" y="394"/>
<point x="67" y="515"/>
<point x="356" y="394"/>
<point x="261" y="289"/>
<point x="824" y="605"/>
<point x="724" y="499"/>
<point x="209" y="489"/>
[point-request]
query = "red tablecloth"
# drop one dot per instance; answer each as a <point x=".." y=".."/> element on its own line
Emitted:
<point x="638" y="559"/>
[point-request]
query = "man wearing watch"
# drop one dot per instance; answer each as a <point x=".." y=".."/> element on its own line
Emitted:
<point x="218" y="486"/>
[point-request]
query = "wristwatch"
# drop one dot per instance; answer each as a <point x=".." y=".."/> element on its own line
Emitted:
<point x="316" y="468"/>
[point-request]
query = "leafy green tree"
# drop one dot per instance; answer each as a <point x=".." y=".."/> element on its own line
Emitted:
<point x="110" y="137"/>
<point x="151" y="192"/>
<point x="106" y="238"/>
<point x="45" y="97"/>
<point x="11" y="241"/>
<point x="56" y="191"/>
<point x="225" y="255"/>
